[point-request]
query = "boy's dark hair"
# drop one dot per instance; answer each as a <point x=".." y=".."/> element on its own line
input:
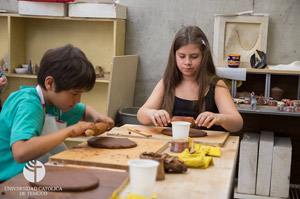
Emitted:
<point x="69" y="67"/>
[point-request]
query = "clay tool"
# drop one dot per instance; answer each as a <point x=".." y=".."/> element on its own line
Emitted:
<point x="139" y="132"/>
<point x="100" y="128"/>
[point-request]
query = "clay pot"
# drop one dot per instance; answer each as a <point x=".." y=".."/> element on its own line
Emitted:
<point x="159" y="158"/>
<point x="277" y="93"/>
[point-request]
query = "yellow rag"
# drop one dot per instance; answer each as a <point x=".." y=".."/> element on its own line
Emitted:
<point x="201" y="157"/>
<point x="195" y="160"/>
<point x="207" y="150"/>
<point x="131" y="196"/>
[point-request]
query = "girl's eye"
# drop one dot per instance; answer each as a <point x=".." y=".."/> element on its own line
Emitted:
<point x="181" y="56"/>
<point x="195" y="56"/>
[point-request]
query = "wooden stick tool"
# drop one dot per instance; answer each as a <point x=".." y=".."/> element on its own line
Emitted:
<point x="100" y="128"/>
<point x="139" y="132"/>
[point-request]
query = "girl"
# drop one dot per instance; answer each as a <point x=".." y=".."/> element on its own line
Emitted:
<point x="190" y="87"/>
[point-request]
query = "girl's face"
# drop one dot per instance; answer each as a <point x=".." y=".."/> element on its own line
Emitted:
<point x="188" y="59"/>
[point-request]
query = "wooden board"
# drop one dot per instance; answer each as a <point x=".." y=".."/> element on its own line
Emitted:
<point x="111" y="158"/>
<point x="213" y="138"/>
<point x="215" y="182"/>
<point x="110" y="180"/>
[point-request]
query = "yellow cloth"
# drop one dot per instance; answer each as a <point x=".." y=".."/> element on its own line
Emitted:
<point x="131" y="196"/>
<point x="202" y="156"/>
<point x="207" y="150"/>
<point x="196" y="159"/>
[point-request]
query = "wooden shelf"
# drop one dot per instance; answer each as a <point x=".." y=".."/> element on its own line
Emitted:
<point x="274" y="72"/>
<point x="26" y="38"/>
<point x="98" y="80"/>
<point x="266" y="111"/>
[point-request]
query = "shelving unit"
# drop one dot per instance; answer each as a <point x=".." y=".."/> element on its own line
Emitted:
<point x="267" y="83"/>
<point x="268" y="73"/>
<point x="263" y="77"/>
<point x="102" y="40"/>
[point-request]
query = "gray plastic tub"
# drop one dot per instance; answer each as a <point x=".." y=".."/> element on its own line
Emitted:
<point x="128" y="115"/>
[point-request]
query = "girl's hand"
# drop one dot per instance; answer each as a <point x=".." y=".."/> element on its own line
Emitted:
<point x="110" y="123"/>
<point x="208" y="119"/>
<point x="159" y="117"/>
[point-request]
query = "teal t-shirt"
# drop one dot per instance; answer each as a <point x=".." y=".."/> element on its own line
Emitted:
<point x="21" y="118"/>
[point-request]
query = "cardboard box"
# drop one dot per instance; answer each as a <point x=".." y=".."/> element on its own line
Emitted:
<point x="43" y="8"/>
<point x="97" y="10"/>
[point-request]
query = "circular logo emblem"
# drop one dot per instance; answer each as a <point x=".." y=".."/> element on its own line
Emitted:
<point x="34" y="171"/>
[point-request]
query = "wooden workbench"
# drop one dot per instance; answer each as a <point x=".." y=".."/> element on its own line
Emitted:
<point x="215" y="182"/>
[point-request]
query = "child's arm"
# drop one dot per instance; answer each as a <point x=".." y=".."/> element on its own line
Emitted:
<point x="151" y="112"/>
<point x="3" y="82"/>
<point x="92" y="115"/>
<point x="35" y="147"/>
<point x="229" y="118"/>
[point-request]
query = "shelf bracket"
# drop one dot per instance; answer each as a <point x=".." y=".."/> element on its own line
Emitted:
<point x="267" y="85"/>
<point x="298" y="93"/>
<point x="233" y="87"/>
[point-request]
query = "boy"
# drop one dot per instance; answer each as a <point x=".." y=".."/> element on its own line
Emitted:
<point x="27" y="131"/>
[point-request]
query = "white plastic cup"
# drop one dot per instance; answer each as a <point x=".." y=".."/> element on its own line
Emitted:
<point x="142" y="173"/>
<point x="180" y="130"/>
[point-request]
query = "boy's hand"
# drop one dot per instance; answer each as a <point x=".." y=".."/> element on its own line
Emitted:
<point x="110" y="123"/>
<point x="79" y="128"/>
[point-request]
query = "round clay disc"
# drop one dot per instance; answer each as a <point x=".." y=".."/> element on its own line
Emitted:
<point x="193" y="132"/>
<point x="68" y="180"/>
<point x="111" y="143"/>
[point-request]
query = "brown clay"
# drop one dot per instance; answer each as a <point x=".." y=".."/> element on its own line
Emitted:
<point x="193" y="132"/>
<point x="159" y="158"/>
<point x="111" y="143"/>
<point x="184" y="119"/>
<point x="173" y="164"/>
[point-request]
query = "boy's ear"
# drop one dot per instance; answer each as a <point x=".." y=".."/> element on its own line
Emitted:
<point x="50" y="83"/>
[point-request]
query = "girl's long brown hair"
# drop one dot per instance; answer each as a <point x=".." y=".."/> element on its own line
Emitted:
<point x="204" y="75"/>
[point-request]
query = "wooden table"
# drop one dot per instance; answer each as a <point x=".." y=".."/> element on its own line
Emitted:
<point x="215" y="182"/>
<point x="211" y="183"/>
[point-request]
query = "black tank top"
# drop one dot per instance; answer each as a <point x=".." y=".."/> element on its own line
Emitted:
<point x="190" y="108"/>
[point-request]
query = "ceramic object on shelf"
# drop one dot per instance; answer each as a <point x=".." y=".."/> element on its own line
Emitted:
<point x="21" y="70"/>
<point x="234" y="60"/>
<point x="277" y="93"/>
<point x="259" y="62"/>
